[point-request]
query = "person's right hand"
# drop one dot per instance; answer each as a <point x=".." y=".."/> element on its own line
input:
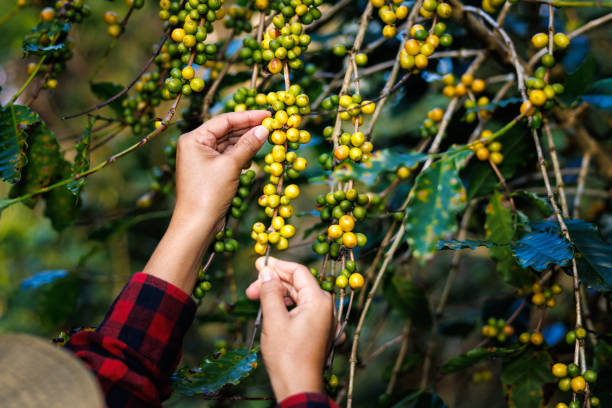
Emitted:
<point x="295" y="343"/>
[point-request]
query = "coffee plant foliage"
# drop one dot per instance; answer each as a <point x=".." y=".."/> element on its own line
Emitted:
<point x="443" y="169"/>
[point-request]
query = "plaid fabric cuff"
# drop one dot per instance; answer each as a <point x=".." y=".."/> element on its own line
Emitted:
<point x="308" y="400"/>
<point x="151" y="316"/>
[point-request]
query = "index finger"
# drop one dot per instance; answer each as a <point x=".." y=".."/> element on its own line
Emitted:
<point x="296" y="275"/>
<point x="222" y="124"/>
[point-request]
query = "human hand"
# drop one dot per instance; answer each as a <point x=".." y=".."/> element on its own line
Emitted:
<point x="208" y="164"/>
<point x="294" y="343"/>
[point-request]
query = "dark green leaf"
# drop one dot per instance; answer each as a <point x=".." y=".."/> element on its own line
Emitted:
<point x="215" y="372"/>
<point x="409" y="300"/>
<point x="81" y="160"/>
<point x="105" y="91"/>
<point x="14" y="123"/>
<point x="523" y="377"/>
<point x="595" y="261"/>
<point x="431" y="213"/>
<point x="46" y="165"/>
<point x="385" y="160"/>
<point x="577" y="82"/>
<point x="600" y="94"/>
<point x="468" y="243"/>
<point x="474" y="356"/>
<point x="538" y="250"/>
<point x="541" y="203"/>
<point x="500" y="226"/>
<point x="603" y="366"/>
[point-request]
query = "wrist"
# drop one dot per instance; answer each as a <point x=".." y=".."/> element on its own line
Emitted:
<point x="288" y="385"/>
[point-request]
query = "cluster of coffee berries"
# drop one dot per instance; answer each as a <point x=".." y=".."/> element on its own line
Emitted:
<point x="361" y="59"/>
<point x="545" y="297"/>
<point x="238" y="19"/>
<point x="569" y="377"/>
<point x="283" y="43"/>
<point x="239" y="205"/>
<point x="498" y="329"/>
<point x="429" y="127"/>
<point x="162" y="181"/>
<point x="305" y="11"/>
<point x="203" y="285"/>
<point x="176" y="12"/>
<point x="343" y="209"/>
<point x="391" y="13"/>
<point x="114" y="29"/>
<point x="541" y="40"/>
<point x="534" y="338"/>
<point x="246" y="99"/>
<point x="431" y="8"/>
<point x="139" y="109"/>
<point x="354" y="147"/>
<point x="73" y="11"/>
<point x="225" y="242"/>
<point x="488" y="151"/>
<point x="491" y="6"/>
<point x="482" y="376"/>
<point x="348" y="107"/>
<point x="541" y="93"/>
<point x="349" y="277"/>
<point x="422" y="44"/>
<point x="467" y="84"/>
<point x="50" y="38"/>
<point x="573" y="335"/>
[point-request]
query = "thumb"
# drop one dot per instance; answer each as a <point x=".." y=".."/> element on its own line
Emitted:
<point x="271" y="296"/>
<point x="249" y="144"/>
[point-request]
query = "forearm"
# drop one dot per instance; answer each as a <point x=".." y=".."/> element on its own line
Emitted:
<point x="179" y="254"/>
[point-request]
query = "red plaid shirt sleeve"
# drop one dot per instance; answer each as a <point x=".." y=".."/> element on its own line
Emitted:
<point x="138" y="345"/>
<point x="308" y="400"/>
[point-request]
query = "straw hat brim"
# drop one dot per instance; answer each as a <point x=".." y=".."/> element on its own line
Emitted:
<point x="35" y="373"/>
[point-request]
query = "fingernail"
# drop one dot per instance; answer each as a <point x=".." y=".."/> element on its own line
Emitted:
<point x="265" y="275"/>
<point x="261" y="133"/>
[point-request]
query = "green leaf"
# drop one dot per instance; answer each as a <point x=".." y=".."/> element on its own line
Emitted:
<point x="500" y="227"/>
<point x="215" y="372"/>
<point x="540" y="203"/>
<point x="384" y="160"/>
<point x="577" y="82"/>
<point x="431" y="213"/>
<point x="14" y="122"/>
<point x="53" y="32"/>
<point x="523" y="377"/>
<point x="81" y="160"/>
<point x="105" y="91"/>
<point x="457" y="245"/>
<point x="46" y="165"/>
<point x="538" y="250"/>
<point x="474" y="356"/>
<point x="595" y="261"/>
<point x="409" y="300"/>
<point x="600" y="94"/>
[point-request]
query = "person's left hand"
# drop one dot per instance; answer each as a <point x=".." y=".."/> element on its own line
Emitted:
<point x="209" y="160"/>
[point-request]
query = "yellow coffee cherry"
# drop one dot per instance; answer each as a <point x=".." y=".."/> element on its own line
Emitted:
<point x="342" y="281"/>
<point x="356" y="281"/>
<point x="539" y="40"/>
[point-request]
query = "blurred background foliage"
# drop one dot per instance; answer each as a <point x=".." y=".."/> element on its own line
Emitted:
<point x="56" y="280"/>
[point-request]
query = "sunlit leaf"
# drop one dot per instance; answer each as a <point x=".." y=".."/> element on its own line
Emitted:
<point x="81" y="160"/>
<point x="215" y="372"/>
<point x="46" y="38"/>
<point x="14" y="122"/>
<point x="600" y="94"/>
<point x="524" y="376"/>
<point x="538" y="250"/>
<point x="431" y="213"/>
